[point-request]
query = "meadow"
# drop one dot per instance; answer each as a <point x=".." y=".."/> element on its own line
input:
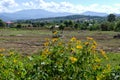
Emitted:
<point x="34" y="54"/>
<point x="29" y="41"/>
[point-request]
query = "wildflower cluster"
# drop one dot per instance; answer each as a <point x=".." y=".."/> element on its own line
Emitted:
<point x="58" y="60"/>
<point x="57" y="34"/>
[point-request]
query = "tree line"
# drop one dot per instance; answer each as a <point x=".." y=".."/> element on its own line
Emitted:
<point x="111" y="23"/>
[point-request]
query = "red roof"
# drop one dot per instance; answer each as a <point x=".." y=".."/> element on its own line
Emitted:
<point x="9" y="22"/>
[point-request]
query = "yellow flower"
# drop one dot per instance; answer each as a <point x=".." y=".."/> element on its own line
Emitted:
<point x="95" y="67"/>
<point x="46" y="43"/>
<point x="73" y="39"/>
<point x="46" y="39"/>
<point x="103" y="53"/>
<point x="73" y="59"/>
<point x="45" y="52"/>
<point x="1" y="55"/>
<point x="55" y="32"/>
<point x="108" y="66"/>
<point x="93" y="47"/>
<point x="60" y="43"/>
<point x="11" y="53"/>
<point x="14" y="61"/>
<point x="89" y="38"/>
<point x="94" y="43"/>
<point x="97" y="60"/>
<point x="54" y="39"/>
<point x="86" y="43"/>
<point x="100" y="77"/>
<point x="78" y="41"/>
<point x="79" y="47"/>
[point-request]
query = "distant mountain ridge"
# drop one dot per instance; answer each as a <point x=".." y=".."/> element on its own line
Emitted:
<point x="40" y="13"/>
<point x="90" y="13"/>
<point x="31" y="14"/>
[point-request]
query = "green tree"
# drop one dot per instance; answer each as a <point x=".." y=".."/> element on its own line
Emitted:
<point x="111" y="26"/>
<point x="71" y="23"/>
<point x="34" y="25"/>
<point x="2" y="24"/>
<point x="76" y="26"/>
<point x="111" y="17"/>
<point x="84" y="26"/>
<point x="61" y="27"/>
<point x="104" y="26"/>
<point x="66" y="23"/>
<point x="42" y="24"/>
<point x="94" y="27"/>
<point x="117" y="28"/>
<point x="19" y="26"/>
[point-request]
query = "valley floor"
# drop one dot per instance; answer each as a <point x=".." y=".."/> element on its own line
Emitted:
<point x="31" y="41"/>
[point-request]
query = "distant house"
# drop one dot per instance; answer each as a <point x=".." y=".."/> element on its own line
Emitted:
<point x="56" y="26"/>
<point x="8" y="23"/>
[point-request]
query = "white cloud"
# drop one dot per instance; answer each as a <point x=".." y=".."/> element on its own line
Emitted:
<point x="72" y="8"/>
<point x="11" y="5"/>
<point x="7" y="5"/>
<point x="29" y="5"/>
<point x="53" y="6"/>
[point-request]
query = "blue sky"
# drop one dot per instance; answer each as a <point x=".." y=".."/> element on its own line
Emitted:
<point x="88" y="2"/>
<point x="72" y="6"/>
<point x="84" y="2"/>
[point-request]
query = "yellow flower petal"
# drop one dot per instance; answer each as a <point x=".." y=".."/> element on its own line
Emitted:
<point x="79" y="47"/>
<point x="73" y="59"/>
<point x="73" y="39"/>
<point x="89" y="38"/>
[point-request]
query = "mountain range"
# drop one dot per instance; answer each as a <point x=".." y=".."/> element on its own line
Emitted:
<point x="90" y="13"/>
<point x="39" y="13"/>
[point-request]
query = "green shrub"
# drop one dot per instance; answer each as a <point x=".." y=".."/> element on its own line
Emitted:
<point x="58" y="60"/>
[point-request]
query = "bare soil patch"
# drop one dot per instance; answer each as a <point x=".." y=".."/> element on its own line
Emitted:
<point x="29" y="42"/>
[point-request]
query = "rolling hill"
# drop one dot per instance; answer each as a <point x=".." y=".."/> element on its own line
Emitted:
<point x="90" y="13"/>
<point x="31" y="14"/>
<point x="40" y="13"/>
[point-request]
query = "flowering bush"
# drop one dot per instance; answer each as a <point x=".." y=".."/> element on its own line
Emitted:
<point x="57" y="34"/>
<point x="58" y="60"/>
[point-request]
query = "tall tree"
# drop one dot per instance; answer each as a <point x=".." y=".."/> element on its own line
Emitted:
<point x="2" y="24"/>
<point x="61" y="27"/>
<point x="117" y="28"/>
<point x="19" y="26"/>
<point x="66" y="23"/>
<point x="71" y="23"/>
<point x="111" y="18"/>
<point x="76" y="26"/>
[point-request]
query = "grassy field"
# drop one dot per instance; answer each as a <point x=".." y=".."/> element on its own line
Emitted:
<point x="114" y="59"/>
<point x="30" y="41"/>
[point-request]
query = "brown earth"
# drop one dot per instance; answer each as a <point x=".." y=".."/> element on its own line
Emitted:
<point x="28" y="44"/>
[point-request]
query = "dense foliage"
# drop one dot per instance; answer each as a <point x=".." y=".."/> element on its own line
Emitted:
<point x="58" y="60"/>
<point x="111" y="17"/>
<point x="74" y="22"/>
<point x="2" y="24"/>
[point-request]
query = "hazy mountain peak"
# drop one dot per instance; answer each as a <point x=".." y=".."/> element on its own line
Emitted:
<point x="40" y="13"/>
<point x="91" y="13"/>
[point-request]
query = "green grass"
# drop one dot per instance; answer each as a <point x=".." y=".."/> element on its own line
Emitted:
<point x="114" y="59"/>
<point x="15" y="32"/>
<point x="30" y="41"/>
<point x="104" y="38"/>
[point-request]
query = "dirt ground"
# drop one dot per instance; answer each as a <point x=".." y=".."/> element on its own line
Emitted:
<point x="28" y="42"/>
